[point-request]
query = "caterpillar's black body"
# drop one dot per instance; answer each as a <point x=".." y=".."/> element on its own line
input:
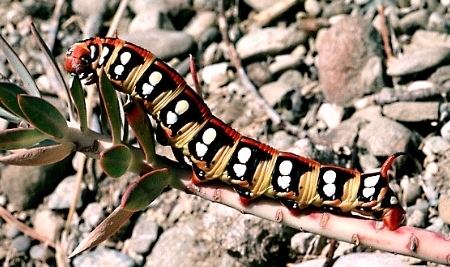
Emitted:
<point x="218" y="152"/>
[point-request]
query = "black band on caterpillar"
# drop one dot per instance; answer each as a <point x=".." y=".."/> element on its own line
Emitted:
<point x="216" y="151"/>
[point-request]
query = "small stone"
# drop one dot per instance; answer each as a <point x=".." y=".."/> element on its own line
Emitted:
<point x="445" y="131"/>
<point x="340" y="68"/>
<point x="412" y="111"/>
<point x="300" y="242"/>
<point x="26" y="186"/>
<point x="370" y="259"/>
<point x="62" y="197"/>
<point x="21" y="243"/>
<point x="414" y="21"/>
<point x="150" y="20"/>
<point x="144" y="235"/>
<point x="312" y="7"/>
<point x="163" y="43"/>
<point x="424" y="38"/>
<point x="331" y="114"/>
<point x="269" y="41"/>
<point x="438" y="23"/>
<point x="103" y="257"/>
<point x="274" y="92"/>
<point x="259" y="5"/>
<point x="383" y="137"/>
<point x="444" y="211"/>
<point x="418" y="60"/>
<point x="200" y="23"/>
<point x="41" y="252"/>
<point x="48" y="224"/>
<point x="282" y="140"/>
<point x="209" y="72"/>
<point x="93" y="214"/>
<point x="411" y="190"/>
<point x="86" y="7"/>
<point x="435" y="145"/>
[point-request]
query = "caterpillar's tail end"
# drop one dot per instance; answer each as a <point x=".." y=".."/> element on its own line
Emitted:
<point x="387" y="164"/>
<point x="394" y="218"/>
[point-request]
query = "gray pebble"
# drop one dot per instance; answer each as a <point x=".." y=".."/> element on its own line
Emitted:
<point x="87" y="7"/>
<point x="259" y="5"/>
<point x="103" y="257"/>
<point x="414" y="21"/>
<point x="383" y="137"/>
<point x="438" y="23"/>
<point x="48" y="224"/>
<point x="435" y="145"/>
<point x="145" y="233"/>
<point x="41" y="252"/>
<point x="274" y="92"/>
<point x="443" y="207"/>
<point x="411" y="190"/>
<point x="312" y="7"/>
<point x="418" y="60"/>
<point x="164" y="44"/>
<point x="93" y="214"/>
<point x="269" y="41"/>
<point x="62" y="196"/>
<point x="412" y="111"/>
<point x="199" y="23"/>
<point x="21" y="243"/>
<point x="340" y="68"/>
<point x="370" y="259"/>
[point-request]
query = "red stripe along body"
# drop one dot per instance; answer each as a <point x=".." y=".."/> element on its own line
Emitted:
<point x="216" y="151"/>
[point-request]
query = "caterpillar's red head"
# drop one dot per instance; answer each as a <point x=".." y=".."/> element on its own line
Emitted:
<point x="82" y="58"/>
<point x="77" y="59"/>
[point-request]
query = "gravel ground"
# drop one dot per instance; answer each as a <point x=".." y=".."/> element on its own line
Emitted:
<point x="322" y="66"/>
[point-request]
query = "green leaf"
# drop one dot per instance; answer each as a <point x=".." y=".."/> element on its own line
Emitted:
<point x="8" y="97"/>
<point x="146" y="189"/>
<point x="39" y="155"/>
<point x="142" y="128"/>
<point x="44" y="116"/>
<point x="77" y="93"/>
<point x="19" y="67"/>
<point x="115" y="160"/>
<point x="20" y="138"/>
<point x="111" y="105"/>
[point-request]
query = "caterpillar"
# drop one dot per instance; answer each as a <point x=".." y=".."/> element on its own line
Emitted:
<point x="217" y="151"/>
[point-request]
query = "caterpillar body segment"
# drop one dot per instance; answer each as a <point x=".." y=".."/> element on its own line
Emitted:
<point x="216" y="151"/>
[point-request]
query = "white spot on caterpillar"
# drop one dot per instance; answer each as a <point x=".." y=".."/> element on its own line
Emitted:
<point x="187" y="160"/>
<point x="285" y="167"/>
<point x="239" y="169"/>
<point x="329" y="177"/>
<point x="155" y="77"/>
<point x="119" y="69"/>
<point x="371" y="181"/>
<point x="368" y="192"/>
<point x="105" y="52"/>
<point x="181" y="107"/>
<point x="125" y="58"/>
<point x="209" y="135"/>
<point x="93" y="50"/>
<point x="201" y="149"/>
<point x="284" y="181"/>
<point x="244" y="154"/>
<point x="147" y="89"/>
<point x="171" y="118"/>
<point x="329" y="189"/>
<point x="393" y="200"/>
